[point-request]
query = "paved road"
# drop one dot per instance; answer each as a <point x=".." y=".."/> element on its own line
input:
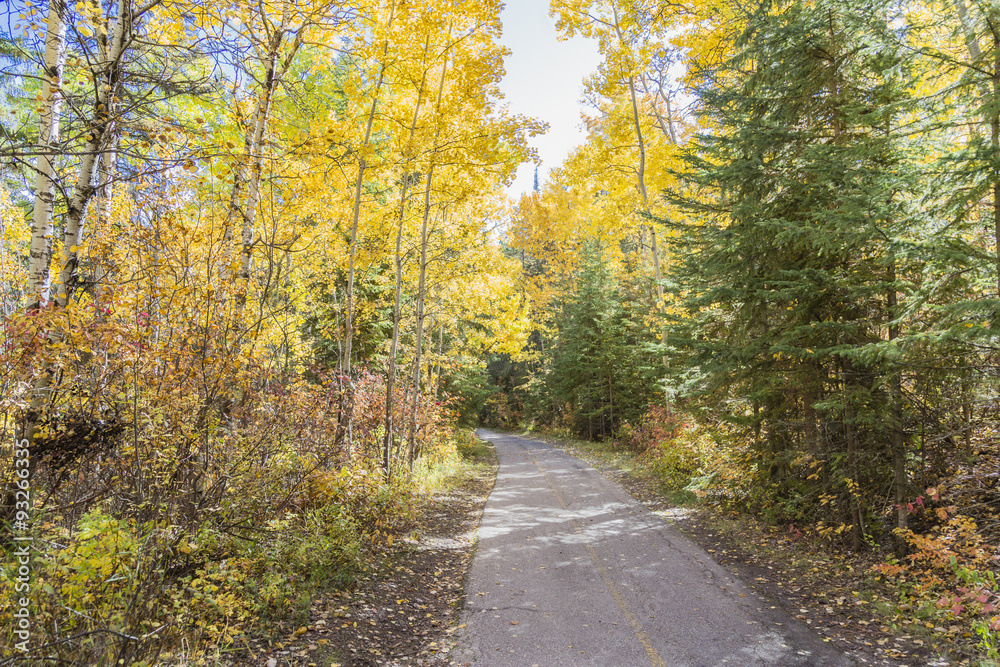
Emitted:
<point x="571" y="570"/>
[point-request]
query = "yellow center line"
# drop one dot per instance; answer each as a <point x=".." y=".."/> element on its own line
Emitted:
<point x="640" y="634"/>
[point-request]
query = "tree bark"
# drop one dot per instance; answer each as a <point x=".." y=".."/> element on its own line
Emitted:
<point x="248" y="171"/>
<point x="995" y="145"/>
<point x="107" y="83"/>
<point x="437" y="369"/>
<point x="48" y="137"/>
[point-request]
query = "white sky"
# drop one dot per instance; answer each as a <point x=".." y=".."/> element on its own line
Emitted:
<point x="544" y="79"/>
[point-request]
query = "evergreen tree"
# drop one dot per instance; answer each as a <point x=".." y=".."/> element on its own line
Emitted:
<point x="600" y="369"/>
<point x="802" y="235"/>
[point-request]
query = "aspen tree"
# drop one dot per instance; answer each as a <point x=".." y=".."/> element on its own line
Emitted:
<point x="108" y="78"/>
<point x="625" y="31"/>
<point x="383" y="60"/>
<point x="48" y="139"/>
<point x="358" y="183"/>
<point x="424" y="242"/>
<point x="398" y="267"/>
<point x="247" y="172"/>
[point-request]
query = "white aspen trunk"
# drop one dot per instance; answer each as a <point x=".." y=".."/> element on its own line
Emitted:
<point x="105" y="196"/>
<point x="109" y="77"/>
<point x="641" y="173"/>
<point x="97" y="140"/>
<point x="968" y="33"/>
<point x="348" y="413"/>
<point x="419" y="343"/>
<point x="248" y="184"/>
<point x="641" y="183"/>
<point x="246" y="214"/>
<point x="397" y="300"/>
<point x="670" y="117"/>
<point x="975" y="53"/>
<point x="39" y="270"/>
<point x="421" y="287"/>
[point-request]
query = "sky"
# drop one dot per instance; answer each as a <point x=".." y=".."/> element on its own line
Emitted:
<point x="544" y="80"/>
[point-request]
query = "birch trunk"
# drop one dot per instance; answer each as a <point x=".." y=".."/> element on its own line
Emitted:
<point x="48" y="137"/>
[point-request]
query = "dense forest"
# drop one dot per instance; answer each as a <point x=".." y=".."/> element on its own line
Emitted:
<point x="259" y="269"/>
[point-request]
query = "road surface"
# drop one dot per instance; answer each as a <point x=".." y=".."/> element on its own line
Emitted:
<point x="571" y="570"/>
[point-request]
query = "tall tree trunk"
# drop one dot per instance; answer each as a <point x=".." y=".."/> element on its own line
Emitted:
<point x="898" y="445"/>
<point x="48" y="138"/>
<point x="422" y="283"/>
<point x="995" y="145"/>
<point x="670" y="116"/>
<point x="109" y="74"/>
<point x="102" y="266"/>
<point x="253" y="144"/>
<point x="437" y="371"/>
<point x="847" y="371"/>
<point x="248" y="171"/>
<point x="967" y="413"/>
<point x="968" y="32"/>
<point x="398" y="296"/>
<point x="641" y="184"/>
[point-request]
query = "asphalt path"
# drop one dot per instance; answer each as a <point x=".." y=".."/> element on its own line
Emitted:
<point x="571" y="570"/>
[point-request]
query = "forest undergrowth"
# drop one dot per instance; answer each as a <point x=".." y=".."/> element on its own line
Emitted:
<point x="160" y="539"/>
